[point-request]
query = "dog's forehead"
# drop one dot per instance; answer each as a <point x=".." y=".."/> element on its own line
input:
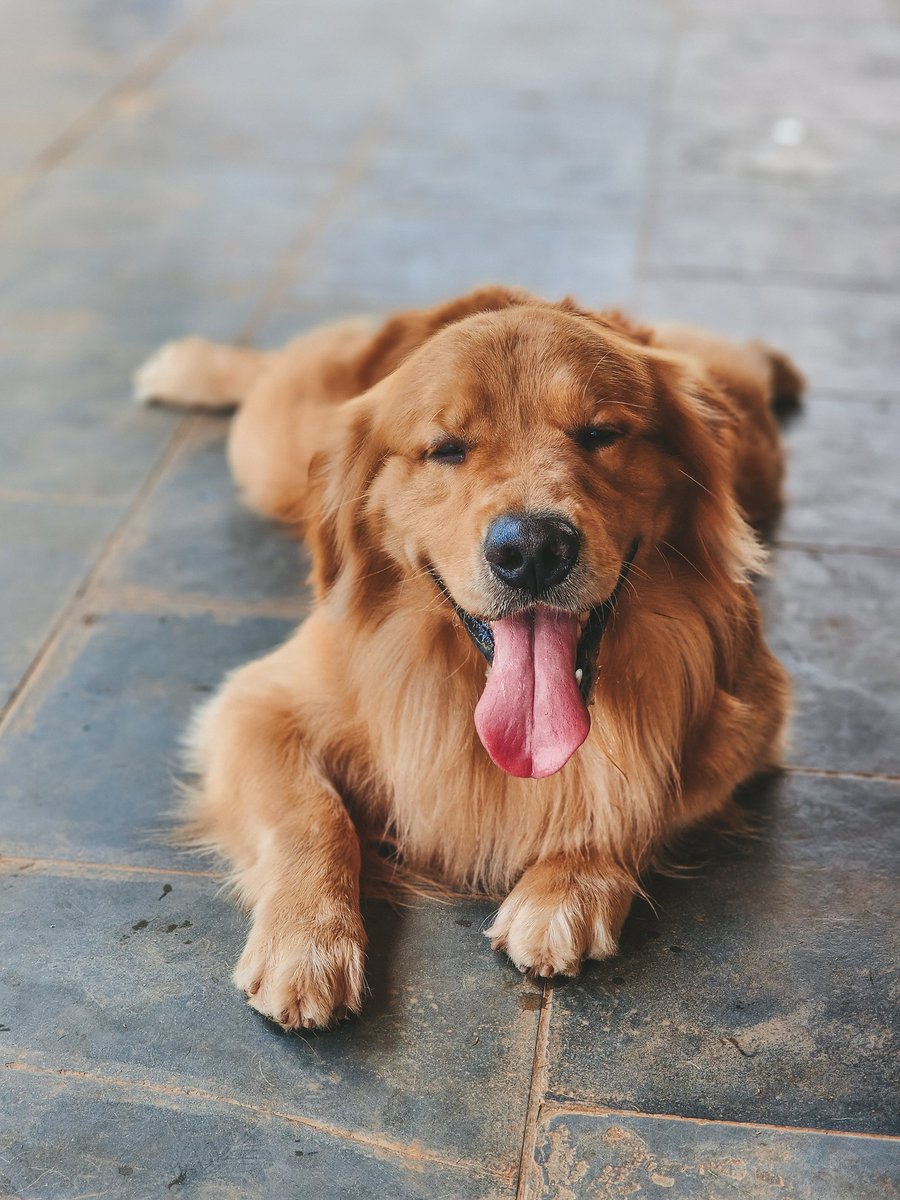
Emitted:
<point x="528" y="364"/>
<point x="527" y="344"/>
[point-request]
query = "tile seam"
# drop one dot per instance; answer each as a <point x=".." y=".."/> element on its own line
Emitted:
<point x="190" y="1092"/>
<point x="562" y="1103"/>
<point x="80" y="597"/>
<point x="81" y="128"/>
<point x="536" y="1091"/>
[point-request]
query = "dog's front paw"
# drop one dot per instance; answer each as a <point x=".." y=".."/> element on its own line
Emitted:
<point x="558" y="915"/>
<point x="304" y="974"/>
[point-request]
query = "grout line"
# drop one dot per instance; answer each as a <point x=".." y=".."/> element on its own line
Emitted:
<point x="835" y="548"/>
<point x="282" y="272"/>
<point x="370" y="1142"/>
<point x="106" y="599"/>
<point x="837" y="391"/>
<point x="15" y="864"/>
<point x="352" y="171"/>
<point x="60" y="499"/>
<point x="785" y="279"/>
<point x="45" y="652"/>
<point x="104" y="106"/>
<point x="564" y="1104"/>
<point x="662" y="86"/>
<point x="536" y="1091"/>
<point x="876" y="776"/>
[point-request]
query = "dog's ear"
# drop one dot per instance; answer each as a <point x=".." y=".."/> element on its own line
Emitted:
<point x="699" y="429"/>
<point x="340" y="477"/>
<point x="612" y="319"/>
<point x="404" y="332"/>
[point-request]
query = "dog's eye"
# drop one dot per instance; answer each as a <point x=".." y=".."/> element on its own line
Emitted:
<point x="449" y="451"/>
<point x="596" y="437"/>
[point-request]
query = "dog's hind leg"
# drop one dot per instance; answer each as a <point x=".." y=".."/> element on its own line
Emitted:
<point x="197" y="373"/>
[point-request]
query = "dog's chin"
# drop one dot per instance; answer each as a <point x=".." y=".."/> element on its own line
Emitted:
<point x="542" y="668"/>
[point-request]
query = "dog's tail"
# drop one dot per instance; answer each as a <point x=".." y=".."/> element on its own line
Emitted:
<point x="195" y="373"/>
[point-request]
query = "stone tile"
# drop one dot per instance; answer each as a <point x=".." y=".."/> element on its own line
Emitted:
<point x="734" y="78"/>
<point x="136" y="982"/>
<point x="724" y="10"/>
<point x="775" y="229"/>
<point x="90" y="761"/>
<point x="832" y="619"/>
<point x="62" y="1137"/>
<point x="777" y="149"/>
<point x="171" y="219"/>
<point x="46" y="551"/>
<point x="607" y="1156"/>
<point x="765" y="990"/>
<point x="195" y="537"/>
<point x="843" y="487"/>
<point x="839" y="338"/>
<point x="519" y="157"/>
<point x="57" y="57"/>
<point x="69" y="427"/>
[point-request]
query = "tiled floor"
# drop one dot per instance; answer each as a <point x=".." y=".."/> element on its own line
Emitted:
<point x="235" y="168"/>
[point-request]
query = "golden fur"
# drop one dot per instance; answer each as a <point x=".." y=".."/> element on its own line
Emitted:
<point x="363" y="720"/>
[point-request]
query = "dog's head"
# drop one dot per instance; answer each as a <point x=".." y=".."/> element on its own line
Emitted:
<point x="527" y="463"/>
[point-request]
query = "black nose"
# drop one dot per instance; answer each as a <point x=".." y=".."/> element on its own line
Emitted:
<point x="532" y="553"/>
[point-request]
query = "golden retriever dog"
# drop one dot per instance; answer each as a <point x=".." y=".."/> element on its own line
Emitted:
<point x="533" y="657"/>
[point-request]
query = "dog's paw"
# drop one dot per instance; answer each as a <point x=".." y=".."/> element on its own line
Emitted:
<point x="555" y="918"/>
<point x="306" y="974"/>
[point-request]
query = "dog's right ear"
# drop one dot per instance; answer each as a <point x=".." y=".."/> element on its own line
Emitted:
<point x="337" y="526"/>
<point x="405" y="332"/>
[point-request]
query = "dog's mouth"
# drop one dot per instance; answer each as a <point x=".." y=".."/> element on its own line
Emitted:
<point x="533" y="713"/>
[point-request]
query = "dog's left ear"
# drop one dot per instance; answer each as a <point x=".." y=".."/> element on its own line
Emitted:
<point x="698" y="427"/>
<point x="405" y="332"/>
<point x="340" y="478"/>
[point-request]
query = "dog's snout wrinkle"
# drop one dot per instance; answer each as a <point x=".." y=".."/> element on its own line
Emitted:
<point x="531" y="552"/>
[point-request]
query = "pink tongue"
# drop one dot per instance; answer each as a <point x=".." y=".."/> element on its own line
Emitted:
<point x="531" y="718"/>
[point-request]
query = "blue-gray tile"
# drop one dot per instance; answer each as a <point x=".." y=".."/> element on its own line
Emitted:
<point x="89" y="762"/>
<point x="139" y="237"/>
<point x="732" y="79"/>
<point x="610" y="1156"/>
<point x="776" y="155"/>
<point x="519" y="157"/>
<point x="766" y="989"/>
<point x="46" y="550"/>
<point x="69" y="428"/>
<point x="843" y="487"/>
<point x="839" y="338"/>
<point x="832" y="620"/>
<point x="195" y="538"/>
<point x="58" y="57"/>
<point x="62" y="1137"/>
<point x="116" y="976"/>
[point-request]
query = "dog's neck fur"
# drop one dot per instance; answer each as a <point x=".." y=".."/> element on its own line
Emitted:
<point x="451" y="810"/>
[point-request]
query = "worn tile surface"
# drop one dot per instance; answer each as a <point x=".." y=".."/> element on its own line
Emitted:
<point x="90" y="760"/>
<point x="134" y="1141"/>
<point x="777" y="146"/>
<point x="843" y="487"/>
<point x="245" y="171"/>
<point x="832" y="619"/>
<point x="45" y="549"/>
<point x="608" y="1157"/>
<point x="766" y="989"/>
<point x="441" y="1062"/>
<point x="195" y="538"/>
